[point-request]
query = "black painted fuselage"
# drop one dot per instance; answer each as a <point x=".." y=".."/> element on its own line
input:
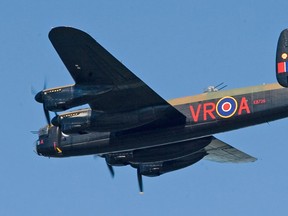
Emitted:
<point x="207" y="114"/>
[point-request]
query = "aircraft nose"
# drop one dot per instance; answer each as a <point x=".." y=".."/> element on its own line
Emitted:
<point x="38" y="97"/>
<point x="37" y="147"/>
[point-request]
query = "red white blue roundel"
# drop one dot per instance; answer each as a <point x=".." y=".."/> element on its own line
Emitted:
<point x="226" y="107"/>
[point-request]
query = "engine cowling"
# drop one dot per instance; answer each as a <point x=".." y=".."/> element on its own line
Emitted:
<point x="66" y="97"/>
<point x="73" y="122"/>
<point x="119" y="159"/>
<point x="159" y="168"/>
<point x="88" y="120"/>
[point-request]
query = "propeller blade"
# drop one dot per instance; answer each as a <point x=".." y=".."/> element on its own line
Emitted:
<point x="55" y="120"/>
<point x="39" y="96"/>
<point x="111" y="170"/>
<point x="140" y="181"/>
<point x="47" y="115"/>
<point x="33" y="91"/>
<point x="45" y="83"/>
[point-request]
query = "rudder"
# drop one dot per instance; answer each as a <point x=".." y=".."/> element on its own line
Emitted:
<point x="282" y="59"/>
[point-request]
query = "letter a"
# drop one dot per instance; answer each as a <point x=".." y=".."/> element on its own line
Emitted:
<point x="243" y="106"/>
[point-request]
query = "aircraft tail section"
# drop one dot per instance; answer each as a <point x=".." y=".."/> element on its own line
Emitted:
<point x="282" y="59"/>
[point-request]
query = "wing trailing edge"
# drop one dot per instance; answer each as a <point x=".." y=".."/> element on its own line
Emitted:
<point x="220" y="151"/>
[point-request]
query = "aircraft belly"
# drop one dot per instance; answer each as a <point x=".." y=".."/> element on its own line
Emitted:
<point x="169" y="152"/>
<point x="111" y="143"/>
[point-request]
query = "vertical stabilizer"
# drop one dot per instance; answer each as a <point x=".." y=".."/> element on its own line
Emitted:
<point x="282" y="59"/>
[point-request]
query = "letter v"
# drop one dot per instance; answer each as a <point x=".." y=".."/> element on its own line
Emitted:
<point x="195" y="116"/>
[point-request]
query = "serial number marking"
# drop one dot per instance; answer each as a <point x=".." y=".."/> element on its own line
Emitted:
<point x="259" y="101"/>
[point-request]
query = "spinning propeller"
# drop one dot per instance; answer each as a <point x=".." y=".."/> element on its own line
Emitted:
<point x="110" y="167"/>
<point x="39" y="98"/>
<point x="140" y="181"/>
<point x="111" y="170"/>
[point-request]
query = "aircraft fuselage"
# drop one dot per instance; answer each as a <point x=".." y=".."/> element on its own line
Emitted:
<point x="207" y="114"/>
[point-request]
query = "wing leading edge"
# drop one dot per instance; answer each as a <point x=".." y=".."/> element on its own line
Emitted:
<point x="91" y="65"/>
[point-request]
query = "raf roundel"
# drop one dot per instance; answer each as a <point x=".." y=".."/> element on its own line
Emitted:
<point x="226" y="107"/>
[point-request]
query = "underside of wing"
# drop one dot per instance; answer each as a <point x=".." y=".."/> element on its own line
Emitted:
<point x="87" y="61"/>
<point x="219" y="151"/>
<point x="91" y="65"/>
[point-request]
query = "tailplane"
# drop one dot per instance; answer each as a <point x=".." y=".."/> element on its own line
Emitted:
<point x="282" y="59"/>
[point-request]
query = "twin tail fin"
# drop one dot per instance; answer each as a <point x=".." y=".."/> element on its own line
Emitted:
<point x="282" y="59"/>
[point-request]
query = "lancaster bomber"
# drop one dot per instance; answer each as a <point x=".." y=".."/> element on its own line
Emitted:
<point x="127" y="123"/>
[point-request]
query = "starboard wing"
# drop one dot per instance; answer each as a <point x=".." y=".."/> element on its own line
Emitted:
<point x="90" y="64"/>
<point x="220" y="151"/>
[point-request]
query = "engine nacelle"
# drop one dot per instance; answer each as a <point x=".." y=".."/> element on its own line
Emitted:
<point x="88" y="120"/>
<point x="63" y="98"/>
<point x="151" y="170"/>
<point x="159" y="168"/>
<point x="73" y="122"/>
<point x="119" y="159"/>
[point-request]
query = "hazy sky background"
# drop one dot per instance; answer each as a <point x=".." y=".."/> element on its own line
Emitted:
<point x="176" y="47"/>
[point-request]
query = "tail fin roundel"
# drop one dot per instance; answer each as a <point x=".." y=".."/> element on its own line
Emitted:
<point x="282" y="59"/>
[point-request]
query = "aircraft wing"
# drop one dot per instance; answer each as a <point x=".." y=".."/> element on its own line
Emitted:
<point x="91" y="65"/>
<point x="219" y="151"/>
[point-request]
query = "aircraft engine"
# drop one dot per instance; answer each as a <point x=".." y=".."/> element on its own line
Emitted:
<point x="159" y="168"/>
<point x="63" y="98"/>
<point x="87" y="120"/>
<point x="73" y="122"/>
<point x="119" y="159"/>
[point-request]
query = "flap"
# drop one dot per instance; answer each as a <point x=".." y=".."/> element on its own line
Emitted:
<point x="219" y="151"/>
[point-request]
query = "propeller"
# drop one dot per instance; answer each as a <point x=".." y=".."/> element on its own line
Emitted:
<point x="39" y="98"/>
<point x="47" y="115"/>
<point x="33" y="91"/>
<point x="140" y="181"/>
<point x="111" y="170"/>
<point x="55" y="120"/>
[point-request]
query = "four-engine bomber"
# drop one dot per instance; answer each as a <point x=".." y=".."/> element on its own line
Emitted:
<point x="129" y="124"/>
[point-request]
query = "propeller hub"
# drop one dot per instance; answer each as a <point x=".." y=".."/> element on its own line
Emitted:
<point x="39" y="97"/>
<point x="56" y="121"/>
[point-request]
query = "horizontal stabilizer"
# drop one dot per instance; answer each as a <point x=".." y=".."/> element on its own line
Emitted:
<point x="219" y="151"/>
<point x="282" y="59"/>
